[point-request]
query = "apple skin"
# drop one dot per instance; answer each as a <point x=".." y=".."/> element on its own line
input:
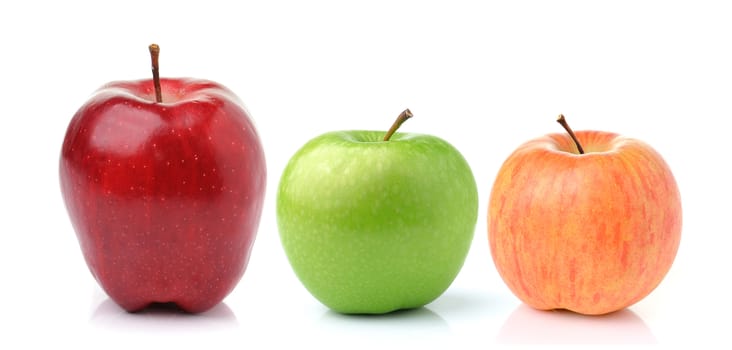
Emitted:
<point x="165" y="198"/>
<point x="373" y="226"/>
<point x="591" y="233"/>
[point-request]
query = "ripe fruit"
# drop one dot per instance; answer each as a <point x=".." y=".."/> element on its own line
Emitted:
<point x="593" y="232"/>
<point x="164" y="181"/>
<point x="374" y="223"/>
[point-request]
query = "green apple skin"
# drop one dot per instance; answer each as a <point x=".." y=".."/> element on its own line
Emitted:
<point x="372" y="226"/>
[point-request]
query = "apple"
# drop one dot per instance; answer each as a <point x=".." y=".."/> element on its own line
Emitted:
<point x="163" y="181"/>
<point x="592" y="232"/>
<point x="374" y="222"/>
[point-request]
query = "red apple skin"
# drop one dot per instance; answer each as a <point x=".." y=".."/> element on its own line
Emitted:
<point x="165" y="198"/>
<point x="592" y="233"/>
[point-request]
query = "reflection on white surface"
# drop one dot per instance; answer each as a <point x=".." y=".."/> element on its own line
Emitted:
<point x="394" y="329"/>
<point x="526" y="325"/>
<point x="163" y="318"/>
<point x="419" y="319"/>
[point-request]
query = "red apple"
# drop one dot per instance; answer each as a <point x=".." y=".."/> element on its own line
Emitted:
<point x="165" y="196"/>
<point x="593" y="232"/>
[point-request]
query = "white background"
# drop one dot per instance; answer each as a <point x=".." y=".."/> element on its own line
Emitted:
<point x="484" y="75"/>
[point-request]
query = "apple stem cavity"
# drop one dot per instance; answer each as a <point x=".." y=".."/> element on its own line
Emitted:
<point x="564" y="124"/>
<point x="406" y="114"/>
<point x="154" y="54"/>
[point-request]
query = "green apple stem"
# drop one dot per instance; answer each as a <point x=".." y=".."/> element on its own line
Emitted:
<point x="406" y="114"/>
<point x="564" y="124"/>
<point x="154" y="54"/>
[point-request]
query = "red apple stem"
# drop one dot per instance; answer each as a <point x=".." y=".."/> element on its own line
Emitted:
<point x="154" y="54"/>
<point x="406" y="114"/>
<point x="564" y="124"/>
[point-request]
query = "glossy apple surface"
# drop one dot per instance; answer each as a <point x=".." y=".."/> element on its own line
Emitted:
<point x="165" y="198"/>
<point x="592" y="233"/>
<point x="372" y="226"/>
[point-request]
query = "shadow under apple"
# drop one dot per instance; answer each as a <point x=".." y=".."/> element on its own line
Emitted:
<point x="526" y="325"/>
<point x="412" y="321"/>
<point x="163" y="317"/>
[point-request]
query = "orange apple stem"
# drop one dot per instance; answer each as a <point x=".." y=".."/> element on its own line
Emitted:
<point x="406" y="114"/>
<point x="564" y="124"/>
<point x="154" y="54"/>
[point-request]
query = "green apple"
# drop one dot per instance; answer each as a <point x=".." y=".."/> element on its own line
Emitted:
<point x="373" y="223"/>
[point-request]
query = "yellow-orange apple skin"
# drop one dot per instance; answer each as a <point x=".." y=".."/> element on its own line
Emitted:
<point x="592" y="233"/>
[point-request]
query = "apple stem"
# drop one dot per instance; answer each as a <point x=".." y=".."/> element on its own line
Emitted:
<point x="406" y="114"/>
<point x="154" y="54"/>
<point x="564" y="124"/>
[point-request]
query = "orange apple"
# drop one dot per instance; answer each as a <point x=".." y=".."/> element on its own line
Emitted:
<point x="592" y="232"/>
